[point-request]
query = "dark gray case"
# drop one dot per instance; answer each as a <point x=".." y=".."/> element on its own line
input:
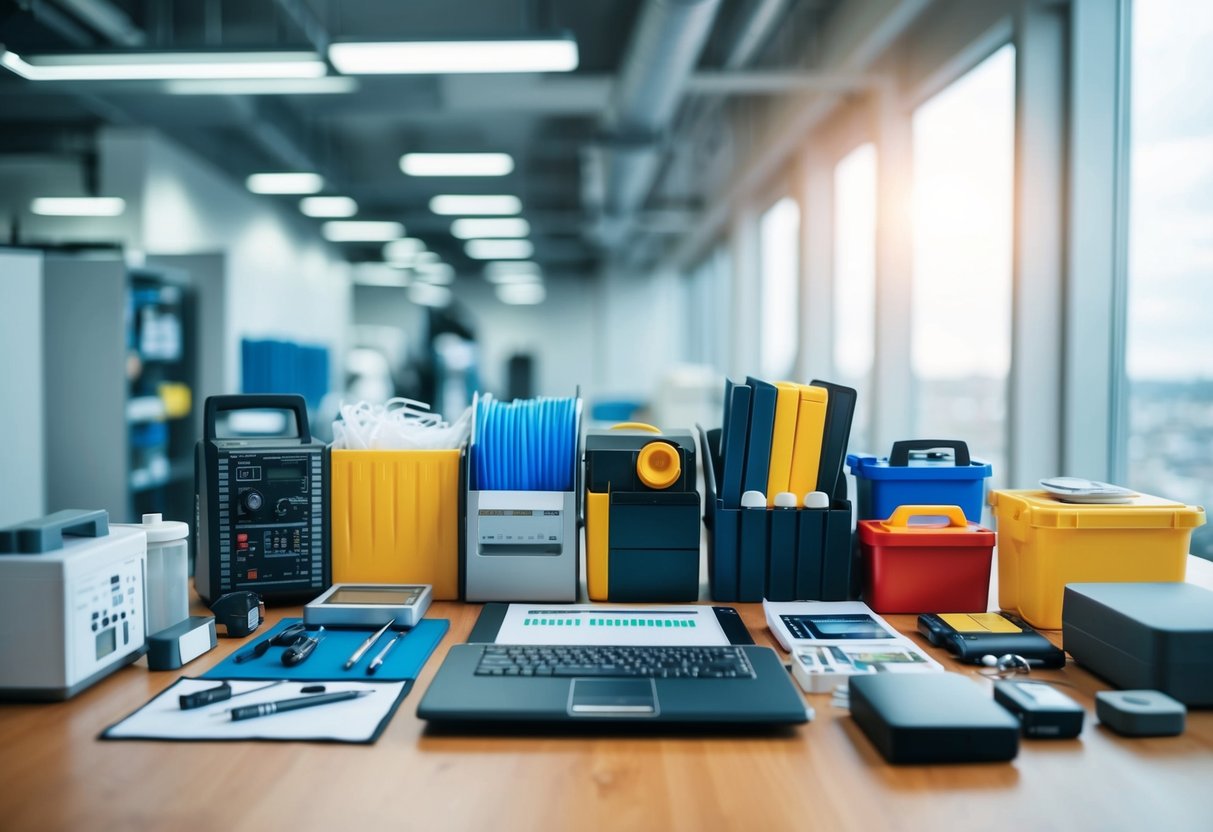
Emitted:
<point x="932" y="718"/>
<point x="1151" y="636"/>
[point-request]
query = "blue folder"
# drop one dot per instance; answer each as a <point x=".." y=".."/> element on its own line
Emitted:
<point x="733" y="442"/>
<point x="762" y="426"/>
<point x="327" y="663"/>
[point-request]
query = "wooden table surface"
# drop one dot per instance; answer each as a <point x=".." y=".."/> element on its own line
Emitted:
<point x="55" y="774"/>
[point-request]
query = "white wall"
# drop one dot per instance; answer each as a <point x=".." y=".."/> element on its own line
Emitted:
<point x="282" y="279"/>
<point x="22" y="455"/>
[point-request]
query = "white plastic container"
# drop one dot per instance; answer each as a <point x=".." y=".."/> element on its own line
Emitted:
<point x="168" y="580"/>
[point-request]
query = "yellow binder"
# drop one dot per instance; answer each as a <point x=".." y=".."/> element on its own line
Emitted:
<point x="783" y="438"/>
<point x="810" y="429"/>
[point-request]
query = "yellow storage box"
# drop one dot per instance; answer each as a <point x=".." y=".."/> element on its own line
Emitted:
<point x="395" y="518"/>
<point x="1044" y="544"/>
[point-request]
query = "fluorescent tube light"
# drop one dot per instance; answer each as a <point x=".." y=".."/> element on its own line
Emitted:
<point x="521" y="294"/>
<point x="379" y="274"/>
<point x="328" y="85"/>
<point x="471" y="205"/>
<point x="440" y="274"/>
<point x="504" y="267"/>
<point x="470" y="229"/>
<point x="361" y="231"/>
<point x="456" y="164"/>
<point x="285" y="183"/>
<point x="164" y="66"/>
<point x="328" y="206"/>
<point x="402" y="252"/>
<point x="428" y="294"/>
<point x="557" y="54"/>
<point x="426" y="257"/>
<point x="514" y="277"/>
<point x="78" y="206"/>
<point x="499" y="249"/>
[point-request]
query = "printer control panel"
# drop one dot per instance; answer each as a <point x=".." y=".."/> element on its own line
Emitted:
<point x="106" y="617"/>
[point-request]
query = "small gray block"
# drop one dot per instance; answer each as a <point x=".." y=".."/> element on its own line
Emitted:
<point x="1140" y="713"/>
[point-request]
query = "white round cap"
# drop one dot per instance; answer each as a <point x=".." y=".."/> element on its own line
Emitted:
<point x="786" y="499"/>
<point x="753" y="499"/>
<point x="160" y="530"/>
<point x="816" y="499"/>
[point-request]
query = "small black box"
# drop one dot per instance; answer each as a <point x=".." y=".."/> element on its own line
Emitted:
<point x="932" y="718"/>
<point x="1149" y="636"/>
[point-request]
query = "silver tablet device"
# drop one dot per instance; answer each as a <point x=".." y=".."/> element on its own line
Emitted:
<point x="369" y="605"/>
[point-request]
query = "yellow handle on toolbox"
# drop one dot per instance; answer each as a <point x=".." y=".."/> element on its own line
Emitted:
<point x="644" y="426"/>
<point x="902" y="514"/>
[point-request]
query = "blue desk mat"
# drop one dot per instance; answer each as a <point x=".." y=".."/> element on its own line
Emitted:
<point x="327" y="663"/>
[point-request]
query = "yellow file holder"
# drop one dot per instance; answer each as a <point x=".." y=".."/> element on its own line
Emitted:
<point x="395" y="518"/>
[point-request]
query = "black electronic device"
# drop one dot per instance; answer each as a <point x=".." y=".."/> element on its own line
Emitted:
<point x="970" y="637"/>
<point x="1042" y="710"/>
<point x="262" y="504"/>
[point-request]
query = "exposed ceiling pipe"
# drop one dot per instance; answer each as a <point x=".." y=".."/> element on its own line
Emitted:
<point x="301" y="14"/>
<point x="663" y="52"/>
<point x="113" y="23"/>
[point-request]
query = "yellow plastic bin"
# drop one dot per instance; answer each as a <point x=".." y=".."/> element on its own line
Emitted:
<point x="1044" y="544"/>
<point x="395" y="518"/>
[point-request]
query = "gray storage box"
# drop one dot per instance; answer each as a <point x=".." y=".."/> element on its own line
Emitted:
<point x="1156" y="636"/>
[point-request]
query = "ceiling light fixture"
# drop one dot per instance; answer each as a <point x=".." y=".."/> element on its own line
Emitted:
<point x="328" y="85"/>
<point x="499" y="249"/>
<point x="379" y="274"/>
<point x="328" y="206"/>
<point x="164" y="66"/>
<point x="440" y="274"/>
<point x="429" y="294"/>
<point x="457" y="164"/>
<point x="285" y="183"/>
<point x="361" y="231"/>
<point x="548" y="54"/>
<point x="78" y="206"/>
<point x="472" y="205"/>
<point x="470" y="229"/>
<point x="521" y="294"/>
<point x="402" y="252"/>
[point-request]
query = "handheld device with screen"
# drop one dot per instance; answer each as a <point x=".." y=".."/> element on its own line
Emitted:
<point x="369" y="605"/>
<point x="970" y="636"/>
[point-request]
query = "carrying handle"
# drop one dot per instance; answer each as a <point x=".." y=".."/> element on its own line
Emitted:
<point x="263" y="401"/>
<point x="46" y="534"/>
<point x="644" y="426"/>
<point x="902" y="514"/>
<point x="900" y="455"/>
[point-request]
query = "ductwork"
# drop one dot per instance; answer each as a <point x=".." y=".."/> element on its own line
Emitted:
<point x="664" y="50"/>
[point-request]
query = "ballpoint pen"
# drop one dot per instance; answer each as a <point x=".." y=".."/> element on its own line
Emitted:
<point x="366" y="645"/>
<point x="378" y="660"/>
<point x="284" y="705"/>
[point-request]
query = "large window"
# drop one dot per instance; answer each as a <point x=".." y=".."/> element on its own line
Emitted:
<point x="1169" y="357"/>
<point x="707" y="311"/>
<point x="855" y="281"/>
<point x="964" y="156"/>
<point x="779" y="253"/>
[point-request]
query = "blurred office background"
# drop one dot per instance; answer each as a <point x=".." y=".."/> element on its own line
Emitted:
<point x="995" y="219"/>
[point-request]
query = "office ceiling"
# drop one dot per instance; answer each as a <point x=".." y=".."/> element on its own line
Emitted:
<point x="568" y="141"/>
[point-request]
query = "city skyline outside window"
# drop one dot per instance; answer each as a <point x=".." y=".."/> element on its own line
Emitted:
<point x="963" y="195"/>
<point x="1169" y="349"/>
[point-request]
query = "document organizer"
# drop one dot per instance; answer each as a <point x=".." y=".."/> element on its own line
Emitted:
<point x="522" y="545"/>
<point x="774" y="553"/>
<point x="396" y="518"/>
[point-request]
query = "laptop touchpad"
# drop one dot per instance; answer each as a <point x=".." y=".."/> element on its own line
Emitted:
<point x="612" y="697"/>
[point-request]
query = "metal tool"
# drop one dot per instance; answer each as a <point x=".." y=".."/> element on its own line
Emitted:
<point x="283" y="639"/>
<point x="303" y="647"/>
<point x="366" y="645"/>
<point x="377" y="662"/>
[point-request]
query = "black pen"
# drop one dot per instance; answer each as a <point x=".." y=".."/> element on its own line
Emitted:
<point x="283" y="705"/>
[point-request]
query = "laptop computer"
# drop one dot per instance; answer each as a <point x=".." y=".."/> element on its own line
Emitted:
<point x="585" y="664"/>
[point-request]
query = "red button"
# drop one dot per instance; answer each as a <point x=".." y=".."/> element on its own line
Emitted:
<point x="242" y="546"/>
<point x="252" y="574"/>
<point x="242" y="538"/>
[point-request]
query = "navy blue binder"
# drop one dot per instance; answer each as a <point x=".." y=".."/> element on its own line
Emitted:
<point x="733" y="442"/>
<point x="762" y="425"/>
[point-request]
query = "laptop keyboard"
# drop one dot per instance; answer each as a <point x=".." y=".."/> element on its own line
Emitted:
<point x="656" y="662"/>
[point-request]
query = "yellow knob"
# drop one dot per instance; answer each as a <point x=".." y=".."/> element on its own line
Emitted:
<point x="658" y="465"/>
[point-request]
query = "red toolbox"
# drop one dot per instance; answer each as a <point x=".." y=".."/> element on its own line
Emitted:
<point x="926" y="566"/>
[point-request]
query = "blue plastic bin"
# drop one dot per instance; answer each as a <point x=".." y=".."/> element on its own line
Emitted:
<point x="920" y="472"/>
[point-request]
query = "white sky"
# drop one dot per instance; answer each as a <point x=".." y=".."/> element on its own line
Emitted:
<point x="1171" y="202"/>
<point x="964" y="161"/>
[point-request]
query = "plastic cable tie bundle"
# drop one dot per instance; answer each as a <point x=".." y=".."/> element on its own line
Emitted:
<point x="400" y="424"/>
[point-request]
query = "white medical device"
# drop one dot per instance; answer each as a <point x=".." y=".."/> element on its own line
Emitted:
<point x="72" y="603"/>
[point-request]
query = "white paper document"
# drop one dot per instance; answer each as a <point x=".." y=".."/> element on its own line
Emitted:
<point x="352" y="720"/>
<point x="602" y="625"/>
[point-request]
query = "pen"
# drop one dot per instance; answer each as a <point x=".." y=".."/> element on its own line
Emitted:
<point x="378" y="660"/>
<point x="284" y="705"/>
<point x="366" y="645"/>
